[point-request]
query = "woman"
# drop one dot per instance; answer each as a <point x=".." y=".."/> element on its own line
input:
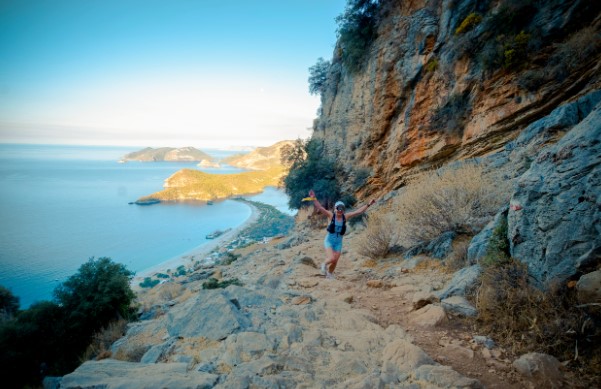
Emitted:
<point x="336" y="230"/>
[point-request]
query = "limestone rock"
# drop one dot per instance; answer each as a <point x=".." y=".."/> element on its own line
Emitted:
<point x="429" y="316"/>
<point x="543" y="368"/>
<point x="462" y="280"/>
<point x="560" y="218"/>
<point x="459" y="305"/>
<point x="422" y="298"/>
<point x="589" y="288"/>
<point x="109" y="373"/>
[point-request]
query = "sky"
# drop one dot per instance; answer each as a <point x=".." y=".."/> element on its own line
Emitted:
<point x="201" y="73"/>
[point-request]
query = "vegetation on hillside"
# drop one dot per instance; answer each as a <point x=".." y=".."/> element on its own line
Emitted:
<point x="310" y="169"/>
<point x="271" y="222"/>
<point x="514" y="312"/>
<point x="50" y="337"/>
<point x="356" y="32"/>
<point x="188" y="184"/>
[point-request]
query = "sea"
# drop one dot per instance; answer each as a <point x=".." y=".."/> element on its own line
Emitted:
<point x="62" y="205"/>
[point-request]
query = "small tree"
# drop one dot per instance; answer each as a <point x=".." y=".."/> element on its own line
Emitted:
<point x="318" y="76"/>
<point x="316" y="171"/>
<point x="356" y="31"/>
<point x="9" y="304"/>
<point x="97" y="294"/>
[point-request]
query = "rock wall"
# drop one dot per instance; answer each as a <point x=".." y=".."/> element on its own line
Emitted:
<point x="380" y="118"/>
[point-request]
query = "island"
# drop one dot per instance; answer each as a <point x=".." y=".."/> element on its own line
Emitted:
<point x="266" y="169"/>
<point x="170" y="154"/>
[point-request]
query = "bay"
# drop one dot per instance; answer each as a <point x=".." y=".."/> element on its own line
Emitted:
<point x="61" y="205"/>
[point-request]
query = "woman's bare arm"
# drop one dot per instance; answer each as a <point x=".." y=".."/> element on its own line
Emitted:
<point x="360" y="210"/>
<point x="318" y="205"/>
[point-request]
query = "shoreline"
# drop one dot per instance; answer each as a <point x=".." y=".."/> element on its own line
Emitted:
<point x="197" y="253"/>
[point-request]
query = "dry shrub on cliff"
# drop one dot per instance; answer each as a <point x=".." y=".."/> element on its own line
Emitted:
<point x="379" y="235"/>
<point x="461" y="199"/>
<point x="524" y="318"/>
<point x="102" y="341"/>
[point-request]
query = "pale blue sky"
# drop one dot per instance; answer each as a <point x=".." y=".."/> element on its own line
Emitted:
<point x="203" y="73"/>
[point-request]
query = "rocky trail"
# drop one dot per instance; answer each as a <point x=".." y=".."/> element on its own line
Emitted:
<point x="378" y="324"/>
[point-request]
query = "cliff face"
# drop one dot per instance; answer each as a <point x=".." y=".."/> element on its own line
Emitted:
<point x="427" y="95"/>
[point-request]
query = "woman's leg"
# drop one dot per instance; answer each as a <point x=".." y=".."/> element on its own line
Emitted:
<point x="334" y="261"/>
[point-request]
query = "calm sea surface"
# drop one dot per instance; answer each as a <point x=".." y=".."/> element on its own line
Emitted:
<point x="61" y="205"/>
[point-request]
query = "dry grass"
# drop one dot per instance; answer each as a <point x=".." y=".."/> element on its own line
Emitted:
<point x="132" y="353"/>
<point x="458" y="257"/>
<point x="525" y="319"/>
<point x="461" y="199"/>
<point x="102" y="341"/>
<point x="379" y="235"/>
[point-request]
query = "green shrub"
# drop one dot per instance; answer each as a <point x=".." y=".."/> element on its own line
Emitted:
<point x="356" y="31"/>
<point x="318" y="76"/>
<point x="212" y="283"/>
<point x="9" y="304"/>
<point x="180" y="271"/>
<point x="516" y="52"/>
<point x="314" y="170"/>
<point x="149" y="283"/>
<point x="432" y="65"/>
<point x="497" y="253"/>
<point x="471" y="21"/>
<point x="228" y="258"/>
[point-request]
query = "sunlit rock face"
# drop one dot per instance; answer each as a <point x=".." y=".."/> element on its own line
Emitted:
<point x="424" y="97"/>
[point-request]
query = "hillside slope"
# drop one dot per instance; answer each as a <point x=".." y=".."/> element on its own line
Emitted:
<point x="261" y="158"/>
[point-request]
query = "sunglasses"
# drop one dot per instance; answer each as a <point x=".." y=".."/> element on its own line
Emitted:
<point x="339" y="208"/>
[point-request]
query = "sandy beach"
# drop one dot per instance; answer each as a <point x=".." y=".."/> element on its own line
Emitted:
<point x="197" y="253"/>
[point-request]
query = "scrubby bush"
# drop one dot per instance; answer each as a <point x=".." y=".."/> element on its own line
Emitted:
<point x="103" y="339"/>
<point x="149" y="283"/>
<point x="318" y="76"/>
<point x="516" y="51"/>
<point x="313" y="169"/>
<point x="356" y="31"/>
<point x="379" y="235"/>
<point x="213" y="283"/>
<point x="461" y="199"/>
<point x="9" y="304"/>
<point x="50" y="337"/>
<point x="471" y="21"/>
<point x="524" y="319"/>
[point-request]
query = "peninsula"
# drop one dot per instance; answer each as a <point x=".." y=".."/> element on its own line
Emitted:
<point x="189" y="184"/>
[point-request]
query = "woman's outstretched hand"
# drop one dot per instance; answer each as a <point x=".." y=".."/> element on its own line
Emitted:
<point x="311" y="193"/>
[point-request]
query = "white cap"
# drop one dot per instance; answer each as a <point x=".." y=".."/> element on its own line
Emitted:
<point x="339" y="203"/>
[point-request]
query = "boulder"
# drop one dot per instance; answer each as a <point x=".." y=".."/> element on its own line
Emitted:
<point x="557" y="217"/>
<point x="589" y="288"/>
<point x="429" y="316"/>
<point x="110" y="373"/>
<point x="459" y="306"/>
<point x="542" y="368"/>
<point x="461" y="282"/>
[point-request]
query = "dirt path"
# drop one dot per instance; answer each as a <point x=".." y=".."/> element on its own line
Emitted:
<point x="379" y="288"/>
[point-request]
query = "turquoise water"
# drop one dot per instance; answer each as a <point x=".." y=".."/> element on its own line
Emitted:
<point x="61" y="205"/>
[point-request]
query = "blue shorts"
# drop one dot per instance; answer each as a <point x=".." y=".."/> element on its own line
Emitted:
<point x="333" y="241"/>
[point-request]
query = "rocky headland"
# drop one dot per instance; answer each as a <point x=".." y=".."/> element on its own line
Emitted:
<point x="169" y="154"/>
